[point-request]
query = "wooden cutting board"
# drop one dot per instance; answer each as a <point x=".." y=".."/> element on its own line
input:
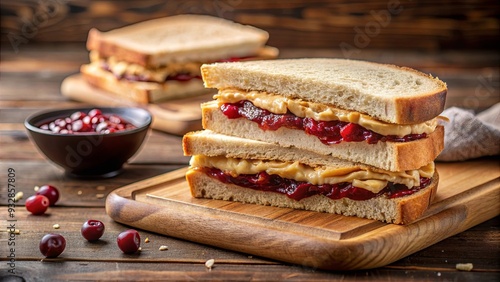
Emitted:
<point x="468" y="194"/>
<point x="175" y="116"/>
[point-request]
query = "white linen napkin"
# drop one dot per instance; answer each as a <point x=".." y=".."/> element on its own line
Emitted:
<point x="469" y="136"/>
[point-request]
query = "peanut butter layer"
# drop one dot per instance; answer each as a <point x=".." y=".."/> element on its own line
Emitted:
<point x="278" y="104"/>
<point x="363" y="177"/>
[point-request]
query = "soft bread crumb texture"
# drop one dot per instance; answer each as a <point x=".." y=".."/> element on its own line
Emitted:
<point x="464" y="266"/>
<point x="209" y="143"/>
<point x="387" y="92"/>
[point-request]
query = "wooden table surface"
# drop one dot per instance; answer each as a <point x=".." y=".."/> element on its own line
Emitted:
<point x="30" y="81"/>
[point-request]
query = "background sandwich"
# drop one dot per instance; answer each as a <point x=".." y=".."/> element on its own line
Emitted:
<point x="160" y="59"/>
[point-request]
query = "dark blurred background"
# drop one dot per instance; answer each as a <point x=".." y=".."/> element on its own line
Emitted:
<point x="346" y="25"/>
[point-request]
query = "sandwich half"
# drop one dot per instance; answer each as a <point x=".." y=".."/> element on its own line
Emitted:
<point x="238" y="169"/>
<point x="376" y="114"/>
<point x="160" y="59"/>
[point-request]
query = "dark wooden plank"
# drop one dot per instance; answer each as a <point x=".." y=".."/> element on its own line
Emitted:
<point x="223" y="271"/>
<point x="32" y="228"/>
<point x="426" y="25"/>
<point x="74" y="192"/>
<point x="90" y="261"/>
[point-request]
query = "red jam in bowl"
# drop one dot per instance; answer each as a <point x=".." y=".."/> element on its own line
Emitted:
<point x="92" y="122"/>
<point x="329" y="132"/>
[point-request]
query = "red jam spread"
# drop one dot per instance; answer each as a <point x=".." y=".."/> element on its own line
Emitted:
<point x="298" y="190"/>
<point x="329" y="132"/>
<point x="181" y="77"/>
<point x="92" y="122"/>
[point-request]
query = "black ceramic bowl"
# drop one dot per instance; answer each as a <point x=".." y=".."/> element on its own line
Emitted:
<point x="90" y="155"/>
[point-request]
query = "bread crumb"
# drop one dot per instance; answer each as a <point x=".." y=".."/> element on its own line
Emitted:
<point x="146" y="240"/>
<point x="19" y="195"/>
<point x="36" y="188"/>
<point x="101" y="188"/>
<point x="464" y="266"/>
<point x="99" y="196"/>
<point x="15" y="231"/>
<point x="56" y="226"/>
<point x="163" y="248"/>
<point x="79" y="192"/>
<point x="209" y="264"/>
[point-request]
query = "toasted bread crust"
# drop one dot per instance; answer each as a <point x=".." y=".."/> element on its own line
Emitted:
<point x="387" y="92"/>
<point x="392" y="156"/>
<point x="401" y="210"/>
<point x="209" y="143"/>
<point x="410" y="209"/>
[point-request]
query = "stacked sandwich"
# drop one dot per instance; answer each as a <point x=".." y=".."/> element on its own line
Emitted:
<point x="160" y="59"/>
<point x="328" y="135"/>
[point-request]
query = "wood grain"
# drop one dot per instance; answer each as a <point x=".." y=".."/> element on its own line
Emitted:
<point x="185" y="260"/>
<point x="163" y="204"/>
<point x="426" y="25"/>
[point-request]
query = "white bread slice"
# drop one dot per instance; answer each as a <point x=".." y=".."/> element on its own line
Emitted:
<point x="209" y="143"/>
<point x="390" y="93"/>
<point x="138" y="91"/>
<point x="392" y="156"/>
<point x="180" y="38"/>
<point x="401" y="210"/>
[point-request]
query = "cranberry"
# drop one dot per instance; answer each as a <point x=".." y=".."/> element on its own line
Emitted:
<point x="115" y="119"/>
<point x="77" y="116"/>
<point x="50" y="192"/>
<point x="52" y="245"/>
<point x="95" y="112"/>
<point x="352" y="132"/>
<point x="37" y="204"/>
<point x="129" y="241"/>
<point x="101" y="126"/>
<point x="94" y="121"/>
<point x="230" y="110"/>
<point x="92" y="230"/>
